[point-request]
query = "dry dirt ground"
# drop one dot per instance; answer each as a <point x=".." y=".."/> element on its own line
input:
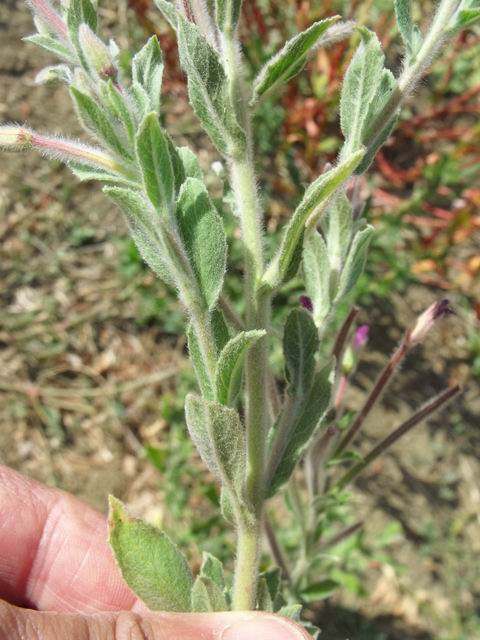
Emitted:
<point x="81" y="382"/>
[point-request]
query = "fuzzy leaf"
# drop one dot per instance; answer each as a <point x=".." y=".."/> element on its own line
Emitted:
<point x="190" y="162"/>
<point x="208" y="88"/>
<point x="466" y="18"/>
<point x="212" y="568"/>
<point x="307" y="213"/>
<point x="85" y="173"/>
<point x="80" y="12"/>
<point x="300" y="346"/>
<point x="118" y="106"/>
<point x="339" y="232"/>
<point x="153" y="154"/>
<point x="290" y="60"/>
<point x="54" y="73"/>
<point x="316" y="269"/>
<point x="207" y="597"/>
<point x="292" y="611"/>
<point x="403" y="13"/>
<point x="309" y="410"/>
<point x="198" y="361"/>
<point x="264" y="599"/>
<point x="142" y="225"/>
<point x="219" y="437"/>
<point x="355" y="262"/>
<point x="169" y="12"/>
<point x="230" y="365"/>
<point x="360" y="87"/>
<point x="147" y="72"/>
<point x="150" y="562"/>
<point x="97" y="122"/>
<point x="204" y="237"/>
<point x="227" y="14"/>
<point x="52" y="46"/>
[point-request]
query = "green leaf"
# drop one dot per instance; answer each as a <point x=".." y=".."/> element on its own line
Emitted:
<point x="304" y="419"/>
<point x="52" y="46"/>
<point x="300" y="346"/>
<point x="147" y="72"/>
<point x="219" y="436"/>
<point x="208" y="89"/>
<point x="360" y="87"/>
<point x="212" y="568"/>
<point x="80" y="12"/>
<point x="227" y="14"/>
<point x="169" y="12"/>
<point x="292" y="611"/>
<point x="308" y="213"/>
<point x="374" y="138"/>
<point x="179" y="173"/>
<point x="143" y="229"/>
<point x="465" y="18"/>
<point x="339" y="231"/>
<point x="153" y="155"/>
<point x="264" y="599"/>
<point x="86" y="173"/>
<point x="150" y="562"/>
<point x="355" y="262"/>
<point x="97" y="122"/>
<point x="207" y="597"/>
<point x="190" y="162"/>
<point x="320" y="590"/>
<point x="119" y="108"/>
<point x="316" y="269"/>
<point x="230" y="365"/>
<point x="403" y="13"/>
<point x="199" y="366"/>
<point x="204" y="237"/>
<point x="221" y="334"/>
<point x="290" y="60"/>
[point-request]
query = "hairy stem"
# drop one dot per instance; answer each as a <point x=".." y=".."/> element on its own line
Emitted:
<point x="257" y="416"/>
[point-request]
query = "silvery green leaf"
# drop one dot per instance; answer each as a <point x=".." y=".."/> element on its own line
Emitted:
<point x="208" y="88"/>
<point x="226" y="506"/>
<point x="403" y="13"/>
<point x="119" y="108"/>
<point x="212" y="568"/>
<point x="190" y="163"/>
<point x="227" y="14"/>
<point x="198" y="361"/>
<point x="305" y="418"/>
<point x="465" y="18"/>
<point x="151" y="564"/>
<point x="204" y="238"/>
<point x="292" y="611"/>
<point x="55" y="73"/>
<point x="52" y="46"/>
<point x="264" y="599"/>
<point x="300" y="346"/>
<point x="339" y="231"/>
<point x="80" y="12"/>
<point x="230" y="365"/>
<point x="360" y="87"/>
<point x="147" y="72"/>
<point x="97" y="122"/>
<point x="153" y="155"/>
<point x="355" y="263"/>
<point x="169" y="12"/>
<point x="371" y="136"/>
<point x="142" y="224"/>
<point x="207" y="597"/>
<point x="219" y="436"/>
<point x="179" y="174"/>
<point x="87" y="173"/>
<point x="221" y="334"/>
<point x="308" y="212"/>
<point x="317" y="272"/>
<point x="290" y="60"/>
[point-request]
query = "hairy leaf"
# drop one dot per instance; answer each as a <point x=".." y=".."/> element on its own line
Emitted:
<point x="153" y="153"/>
<point x="227" y="14"/>
<point x="339" y="231"/>
<point x="300" y="346"/>
<point x="150" y="562"/>
<point x="403" y="13"/>
<point x="169" y="12"/>
<point x="207" y="597"/>
<point x="290" y="60"/>
<point x="360" y="87"/>
<point x="316" y="269"/>
<point x="230" y="365"/>
<point x="212" y="568"/>
<point x="204" y="237"/>
<point x="355" y="262"/>
<point x="198" y="361"/>
<point x="190" y="162"/>
<point x="147" y="72"/>
<point x="119" y="108"/>
<point x="219" y="436"/>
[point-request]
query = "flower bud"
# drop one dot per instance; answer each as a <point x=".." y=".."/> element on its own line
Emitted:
<point x="15" y="138"/>
<point x="96" y="53"/>
<point x="306" y="303"/>
<point x="45" y="12"/>
<point x="428" y="318"/>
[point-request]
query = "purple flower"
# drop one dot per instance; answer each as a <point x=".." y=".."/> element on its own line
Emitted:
<point x="306" y="303"/>
<point x="428" y="318"/>
<point x="361" y="336"/>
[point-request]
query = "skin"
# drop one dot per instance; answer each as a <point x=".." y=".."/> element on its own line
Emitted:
<point x="59" y="581"/>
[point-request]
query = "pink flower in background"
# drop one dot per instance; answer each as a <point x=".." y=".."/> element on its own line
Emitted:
<point x="361" y="336"/>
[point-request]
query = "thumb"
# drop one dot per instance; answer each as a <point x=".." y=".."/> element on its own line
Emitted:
<point x="18" y="624"/>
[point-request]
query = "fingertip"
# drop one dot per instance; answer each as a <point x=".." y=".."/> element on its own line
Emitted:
<point x="264" y="627"/>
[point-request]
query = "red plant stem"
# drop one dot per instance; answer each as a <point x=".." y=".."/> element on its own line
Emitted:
<point x="374" y="395"/>
<point x="274" y="545"/>
<point x="341" y="536"/>
<point x="341" y="339"/>
<point x="391" y="439"/>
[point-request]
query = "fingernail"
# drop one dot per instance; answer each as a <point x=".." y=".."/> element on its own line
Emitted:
<point x="263" y="628"/>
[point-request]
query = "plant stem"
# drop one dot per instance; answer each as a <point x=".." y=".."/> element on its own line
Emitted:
<point x="257" y="416"/>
